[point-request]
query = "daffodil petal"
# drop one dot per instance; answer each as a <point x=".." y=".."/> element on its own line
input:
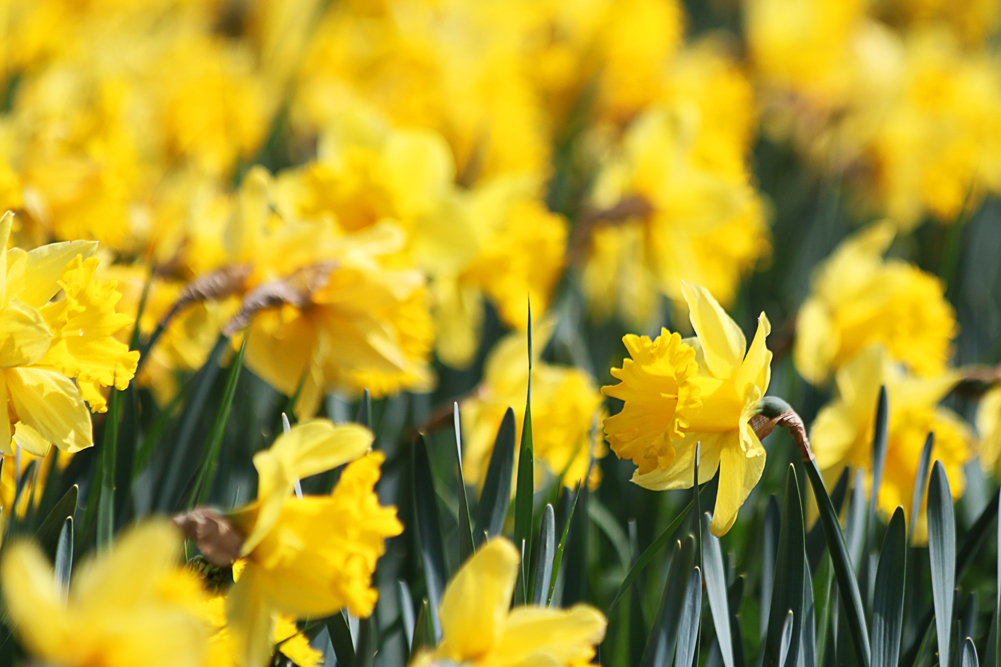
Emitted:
<point x="5" y="223"/>
<point x="50" y="403"/>
<point x="34" y="277"/>
<point x="5" y="431"/>
<point x="681" y="473"/>
<point x="30" y="440"/>
<point x="24" y="336"/>
<point x="739" y="472"/>
<point x="31" y="598"/>
<point x="476" y="601"/>
<point x="307" y="449"/>
<point x="722" y="340"/>
<point x="251" y="622"/>
<point x="756" y="368"/>
<point x="567" y="636"/>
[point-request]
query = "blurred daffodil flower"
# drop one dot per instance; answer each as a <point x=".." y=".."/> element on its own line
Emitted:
<point x="479" y="628"/>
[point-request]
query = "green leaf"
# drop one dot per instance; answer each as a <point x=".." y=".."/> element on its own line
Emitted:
<point x="992" y="652"/>
<point x="969" y="654"/>
<point x="942" y="555"/>
<point x="712" y="563"/>
<point x="691" y="617"/>
<point x="544" y="558"/>
<point x="429" y="531"/>
<point x="790" y="562"/>
<point x="368" y="642"/>
<point x="770" y="545"/>
<point x="648" y="555"/>
<point x="64" y="557"/>
<point x="340" y="639"/>
<point x="605" y="520"/>
<point x="496" y="494"/>
<point x="663" y="636"/>
<point x="851" y="600"/>
<point x="406" y="612"/>
<point x="816" y="544"/>
<point x="466" y="547"/>
<point x="734" y="596"/>
<point x="807" y="655"/>
<point x="179" y="463"/>
<point x="525" y="489"/>
<point x="697" y="514"/>
<point x="920" y="483"/>
<point x="558" y="558"/>
<point x="888" y="594"/>
<point x="106" y="499"/>
<point x="364" y="416"/>
<point x="786" y="636"/>
<point x="878" y="459"/>
<point x="423" y="630"/>
<point x="51" y="528"/>
<point x="210" y="452"/>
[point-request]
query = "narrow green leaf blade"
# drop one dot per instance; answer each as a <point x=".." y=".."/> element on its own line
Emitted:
<point x="786" y="635"/>
<point x="109" y="454"/>
<point x="51" y="527"/>
<point x="647" y="556"/>
<point x="466" y="546"/>
<point x="851" y="600"/>
<point x="340" y="638"/>
<point x="942" y="555"/>
<point x="712" y="563"/>
<point x="920" y="483"/>
<point x="210" y="452"/>
<point x="64" y="557"/>
<point x="429" y="531"/>
<point x="691" y="616"/>
<point x="496" y="492"/>
<point x="790" y="562"/>
<point x="969" y="654"/>
<point x="663" y="636"/>
<point x="558" y="558"/>
<point x="888" y="595"/>
<point x="544" y="557"/>
<point x="364" y="416"/>
<point x="525" y="489"/>
<point x="770" y="545"/>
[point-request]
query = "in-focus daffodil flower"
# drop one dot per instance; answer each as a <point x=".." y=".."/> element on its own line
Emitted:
<point x="860" y="299"/>
<point x="45" y="345"/>
<point x="566" y="406"/>
<point x="131" y="606"/>
<point x="843" y="430"/>
<point x="310" y="556"/>
<point x="679" y="393"/>
<point x="479" y="628"/>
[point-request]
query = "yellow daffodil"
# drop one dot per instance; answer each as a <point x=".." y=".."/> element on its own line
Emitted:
<point x="684" y="218"/>
<point x="519" y="255"/>
<point x="989" y="428"/>
<point x="46" y="344"/>
<point x="859" y="299"/>
<point x="310" y="556"/>
<point x="843" y="430"/>
<point x="566" y="406"/>
<point x="679" y="393"/>
<point x="361" y="324"/>
<point x="286" y="637"/>
<point x="479" y="628"/>
<point x="131" y="606"/>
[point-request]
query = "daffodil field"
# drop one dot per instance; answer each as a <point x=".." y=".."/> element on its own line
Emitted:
<point x="500" y="333"/>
